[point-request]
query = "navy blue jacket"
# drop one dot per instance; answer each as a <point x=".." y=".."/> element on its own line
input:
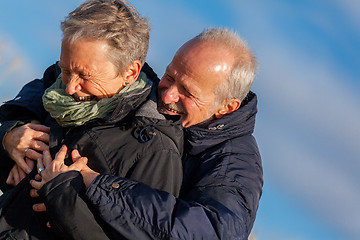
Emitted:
<point x="219" y="198"/>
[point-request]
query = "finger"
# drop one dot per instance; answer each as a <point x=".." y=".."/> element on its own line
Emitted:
<point x="41" y="136"/>
<point x="34" y="193"/>
<point x="79" y="165"/>
<point x="30" y="163"/>
<point x="48" y="225"/>
<point x="38" y="177"/>
<point x="22" y="164"/>
<point x="60" y="155"/>
<point x="40" y="161"/>
<point x="46" y="159"/>
<point x="39" y="127"/>
<point x="10" y="179"/>
<point x="15" y="175"/>
<point x="37" y="184"/>
<point x="33" y="155"/>
<point x="35" y="148"/>
<point x="39" y="207"/>
<point x="75" y="155"/>
<point x="22" y="174"/>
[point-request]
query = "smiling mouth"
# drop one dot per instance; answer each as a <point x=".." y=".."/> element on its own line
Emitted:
<point x="167" y="107"/>
<point x="171" y="108"/>
<point x="84" y="98"/>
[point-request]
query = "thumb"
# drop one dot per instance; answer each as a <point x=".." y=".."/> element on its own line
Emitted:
<point x="79" y="164"/>
<point x="75" y="155"/>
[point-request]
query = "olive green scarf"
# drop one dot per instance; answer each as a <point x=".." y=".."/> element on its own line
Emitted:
<point x="69" y="113"/>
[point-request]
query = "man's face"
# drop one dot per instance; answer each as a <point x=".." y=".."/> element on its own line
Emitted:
<point x="188" y="85"/>
<point x="87" y="72"/>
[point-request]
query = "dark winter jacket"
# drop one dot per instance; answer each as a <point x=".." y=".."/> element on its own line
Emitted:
<point x="219" y="198"/>
<point x="134" y="141"/>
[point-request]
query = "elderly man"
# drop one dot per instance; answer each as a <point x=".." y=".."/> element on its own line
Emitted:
<point x="207" y="83"/>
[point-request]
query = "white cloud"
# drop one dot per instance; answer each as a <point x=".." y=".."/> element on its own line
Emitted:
<point x="308" y="124"/>
<point x="352" y="9"/>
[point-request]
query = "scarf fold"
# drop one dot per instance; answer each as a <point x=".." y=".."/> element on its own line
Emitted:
<point x="70" y="113"/>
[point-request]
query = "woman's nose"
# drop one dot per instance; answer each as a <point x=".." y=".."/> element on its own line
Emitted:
<point x="73" y="85"/>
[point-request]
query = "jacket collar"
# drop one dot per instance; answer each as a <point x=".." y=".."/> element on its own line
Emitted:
<point x="236" y="124"/>
<point x="128" y="104"/>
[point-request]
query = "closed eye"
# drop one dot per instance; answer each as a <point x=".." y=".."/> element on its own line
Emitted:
<point x="85" y="76"/>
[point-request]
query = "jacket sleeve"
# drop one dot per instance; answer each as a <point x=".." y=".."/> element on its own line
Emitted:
<point x="25" y="107"/>
<point x="64" y="202"/>
<point x="140" y="212"/>
<point x="160" y="170"/>
<point x="212" y="211"/>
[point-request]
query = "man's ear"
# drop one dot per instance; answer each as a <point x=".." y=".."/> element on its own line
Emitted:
<point x="228" y="108"/>
<point x="132" y="72"/>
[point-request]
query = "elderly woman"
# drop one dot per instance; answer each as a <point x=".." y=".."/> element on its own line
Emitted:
<point x="102" y="104"/>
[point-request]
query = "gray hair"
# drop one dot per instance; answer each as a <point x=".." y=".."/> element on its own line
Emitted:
<point x="243" y="71"/>
<point x="113" y="21"/>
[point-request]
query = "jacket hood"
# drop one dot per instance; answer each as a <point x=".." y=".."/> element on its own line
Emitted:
<point x="236" y="124"/>
<point x="142" y="106"/>
<point x="169" y="125"/>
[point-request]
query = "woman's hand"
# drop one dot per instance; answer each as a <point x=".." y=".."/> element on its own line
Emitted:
<point x="49" y="169"/>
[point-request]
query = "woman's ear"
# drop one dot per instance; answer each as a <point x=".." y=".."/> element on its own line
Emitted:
<point x="228" y="108"/>
<point x="132" y="72"/>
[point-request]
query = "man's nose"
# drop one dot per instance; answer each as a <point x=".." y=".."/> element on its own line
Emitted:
<point x="73" y="85"/>
<point x="171" y="95"/>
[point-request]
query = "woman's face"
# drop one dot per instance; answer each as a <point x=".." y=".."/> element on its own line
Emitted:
<point x="87" y="72"/>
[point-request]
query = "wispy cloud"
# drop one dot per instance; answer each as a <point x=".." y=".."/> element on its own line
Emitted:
<point x="352" y="8"/>
<point x="308" y="125"/>
<point x="311" y="120"/>
<point x="172" y="24"/>
<point x="15" y="69"/>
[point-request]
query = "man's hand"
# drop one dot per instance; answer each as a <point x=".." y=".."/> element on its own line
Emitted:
<point x="56" y="167"/>
<point x="17" y="174"/>
<point x="29" y="140"/>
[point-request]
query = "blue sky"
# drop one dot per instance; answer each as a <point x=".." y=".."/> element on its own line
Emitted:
<point x="307" y="128"/>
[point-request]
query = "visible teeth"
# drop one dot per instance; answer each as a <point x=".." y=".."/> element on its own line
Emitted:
<point x="85" y="98"/>
<point x="173" y="110"/>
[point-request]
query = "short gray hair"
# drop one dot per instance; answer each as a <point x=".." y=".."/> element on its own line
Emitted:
<point x="243" y="71"/>
<point x="113" y="21"/>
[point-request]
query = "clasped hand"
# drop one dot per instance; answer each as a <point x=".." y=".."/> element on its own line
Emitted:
<point x="24" y="145"/>
<point x="52" y="168"/>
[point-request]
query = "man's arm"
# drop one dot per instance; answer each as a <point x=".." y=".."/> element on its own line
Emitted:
<point x="214" y="211"/>
<point x="133" y="210"/>
<point x="15" y="120"/>
<point x="83" y="215"/>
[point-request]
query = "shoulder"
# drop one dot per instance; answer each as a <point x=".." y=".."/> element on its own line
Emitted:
<point x="228" y="162"/>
